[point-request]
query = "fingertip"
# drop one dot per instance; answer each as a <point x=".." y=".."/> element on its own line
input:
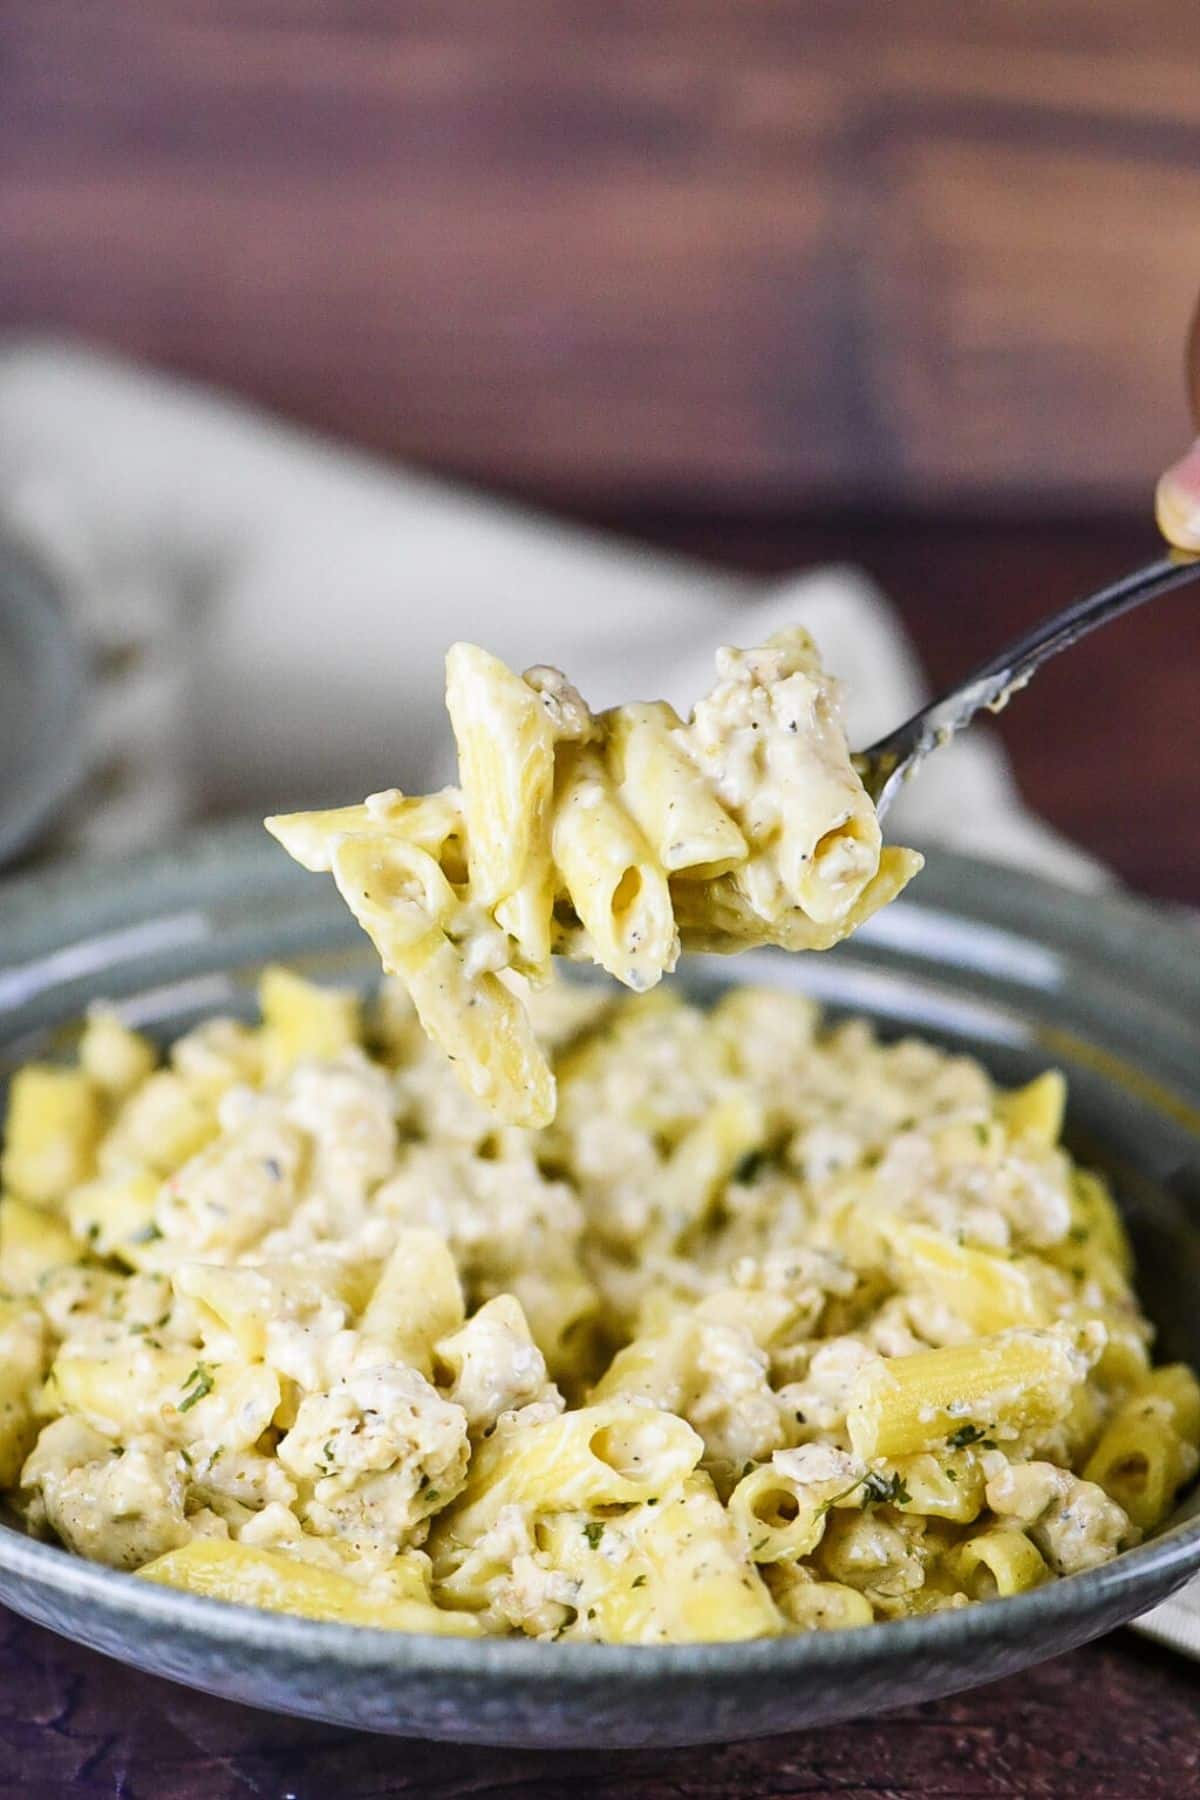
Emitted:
<point x="1177" y="501"/>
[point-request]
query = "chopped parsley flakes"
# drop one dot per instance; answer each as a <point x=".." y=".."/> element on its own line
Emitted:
<point x="884" y="1490"/>
<point x="198" y="1384"/>
<point x="878" y="1489"/>
<point x="967" y="1434"/>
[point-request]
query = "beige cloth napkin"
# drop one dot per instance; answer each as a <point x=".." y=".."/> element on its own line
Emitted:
<point x="267" y="614"/>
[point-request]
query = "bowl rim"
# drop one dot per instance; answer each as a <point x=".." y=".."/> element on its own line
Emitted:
<point x="1174" y="1554"/>
<point x="217" y="862"/>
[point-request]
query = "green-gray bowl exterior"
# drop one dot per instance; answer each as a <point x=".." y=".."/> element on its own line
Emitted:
<point x="43" y="711"/>
<point x="1004" y="966"/>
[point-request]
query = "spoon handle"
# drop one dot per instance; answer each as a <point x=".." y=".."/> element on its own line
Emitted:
<point x="886" y="764"/>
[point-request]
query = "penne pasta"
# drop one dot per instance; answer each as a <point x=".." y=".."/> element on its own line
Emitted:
<point x="1151" y="1447"/>
<point x="218" y="1569"/>
<point x="506" y="745"/>
<point x="664" y="793"/>
<point x="996" y="1386"/>
<point x="610" y="875"/>
<point x="999" y="1561"/>
<point x="608" y="839"/>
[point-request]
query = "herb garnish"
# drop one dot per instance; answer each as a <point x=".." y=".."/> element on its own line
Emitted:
<point x="881" y="1490"/>
<point x="593" y="1531"/>
<point x="198" y="1384"/>
<point x="966" y="1434"/>
<point x="833" y="1499"/>
<point x="750" y="1166"/>
<point x="878" y="1489"/>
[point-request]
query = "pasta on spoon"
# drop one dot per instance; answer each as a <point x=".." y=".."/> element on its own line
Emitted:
<point x="617" y="838"/>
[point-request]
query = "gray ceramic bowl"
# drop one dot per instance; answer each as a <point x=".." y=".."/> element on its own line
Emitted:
<point x="1009" y="968"/>
<point x="42" y="691"/>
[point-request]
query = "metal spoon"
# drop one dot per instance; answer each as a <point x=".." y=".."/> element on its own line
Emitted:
<point x="896" y="757"/>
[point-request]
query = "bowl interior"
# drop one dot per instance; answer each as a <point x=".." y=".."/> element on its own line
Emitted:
<point x="981" y="960"/>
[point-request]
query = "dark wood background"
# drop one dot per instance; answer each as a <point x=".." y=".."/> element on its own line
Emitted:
<point x="901" y="281"/>
<point x="751" y="256"/>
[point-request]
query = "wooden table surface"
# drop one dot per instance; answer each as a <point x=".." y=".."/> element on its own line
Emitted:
<point x="1114" y="1721"/>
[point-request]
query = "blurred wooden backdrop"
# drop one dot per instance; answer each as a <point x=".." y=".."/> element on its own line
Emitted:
<point x="754" y="256"/>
